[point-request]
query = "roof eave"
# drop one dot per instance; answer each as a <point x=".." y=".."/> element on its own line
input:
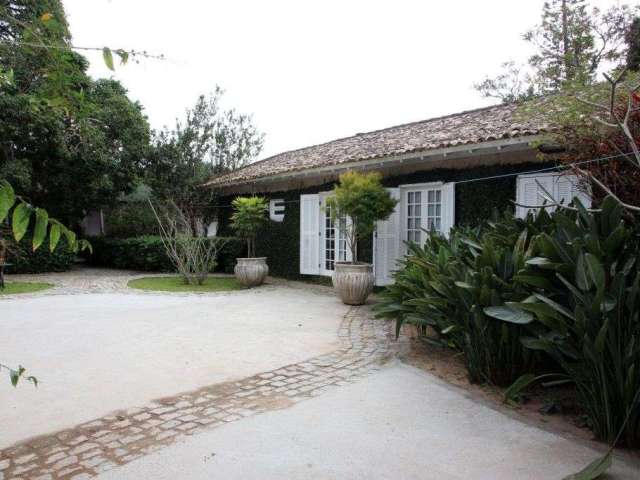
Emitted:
<point x="452" y="152"/>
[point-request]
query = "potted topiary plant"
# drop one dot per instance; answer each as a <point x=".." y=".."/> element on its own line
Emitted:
<point x="363" y="200"/>
<point x="248" y="217"/>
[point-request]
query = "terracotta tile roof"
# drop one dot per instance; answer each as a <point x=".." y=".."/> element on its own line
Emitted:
<point x="465" y="128"/>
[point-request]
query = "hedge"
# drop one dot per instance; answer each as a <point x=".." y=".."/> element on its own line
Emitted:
<point x="24" y="260"/>
<point x="475" y="202"/>
<point x="147" y="254"/>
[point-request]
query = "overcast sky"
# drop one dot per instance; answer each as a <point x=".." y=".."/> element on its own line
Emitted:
<point x="309" y="72"/>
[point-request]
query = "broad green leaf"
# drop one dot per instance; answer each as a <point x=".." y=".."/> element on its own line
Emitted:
<point x="582" y="276"/>
<point x="509" y="314"/>
<point x="518" y="386"/>
<point x="7" y="199"/>
<point x="595" y="271"/>
<point x="54" y="236"/>
<point x="15" y="375"/>
<point x="20" y="220"/>
<point x="594" y="470"/>
<point x="601" y="337"/>
<point x="85" y="245"/>
<point x="124" y="56"/>
<point x="556" y="306"/>
<point x="40" y="229"/>
<point x="108" y="58"/>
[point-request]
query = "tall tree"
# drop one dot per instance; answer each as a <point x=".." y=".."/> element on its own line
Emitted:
<point x="66" y="142"/>
<point x="210" y="141"/>
<point x="573" y="43"/>
<point x="633" y="45"/>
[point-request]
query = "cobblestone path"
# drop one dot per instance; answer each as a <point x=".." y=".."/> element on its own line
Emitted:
<point x="116" y="439"/>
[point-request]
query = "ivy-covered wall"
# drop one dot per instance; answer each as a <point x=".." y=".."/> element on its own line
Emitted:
<point x="475" y="201"/>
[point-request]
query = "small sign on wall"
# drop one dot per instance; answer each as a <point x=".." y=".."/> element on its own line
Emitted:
<point x="276" y="209"/>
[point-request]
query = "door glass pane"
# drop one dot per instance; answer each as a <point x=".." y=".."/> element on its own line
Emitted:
<point x="434" y="210"/>
<point x="414" y="216"/>
<point x="335" y="246"/>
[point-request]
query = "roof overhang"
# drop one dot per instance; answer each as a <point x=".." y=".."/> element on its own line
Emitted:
<point x="447" y="157"/>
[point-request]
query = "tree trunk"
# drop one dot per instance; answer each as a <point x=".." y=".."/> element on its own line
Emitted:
<point x="568" y="66"/>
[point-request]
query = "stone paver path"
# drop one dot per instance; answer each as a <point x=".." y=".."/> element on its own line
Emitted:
<point x="119" y="438"/>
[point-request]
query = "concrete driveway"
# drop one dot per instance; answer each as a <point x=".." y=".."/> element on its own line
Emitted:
<point x="95" y="353"/>
<point x="400" y="423"/>
<point x="277" y="382"/>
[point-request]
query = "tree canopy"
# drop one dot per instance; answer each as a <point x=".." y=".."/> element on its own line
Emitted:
<point x="209" y="141"/>
<point x="67" y="142"/>
<point x="573" y="43"/>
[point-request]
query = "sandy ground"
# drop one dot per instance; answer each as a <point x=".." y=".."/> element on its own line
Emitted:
<point x="96" y="353"/>
<point x="400" y="423"/>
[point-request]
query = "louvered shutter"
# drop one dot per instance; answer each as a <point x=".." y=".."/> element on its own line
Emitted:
<point x="568" y="188"/>
<point x="448" y="207"/>
<point x="387" y="244"/>
<point x="310" y="234"/>
<point x="562" y="188"/>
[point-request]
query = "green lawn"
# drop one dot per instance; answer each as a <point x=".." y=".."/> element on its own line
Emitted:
<point x="176" y="284"/>
<point x="23" y="287"/>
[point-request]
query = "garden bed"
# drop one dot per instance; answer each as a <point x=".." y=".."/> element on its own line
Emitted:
<point x="177" y="284"/>
<point x="12" y="288"/>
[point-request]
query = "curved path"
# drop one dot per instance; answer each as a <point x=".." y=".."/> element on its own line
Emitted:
<point x="122" y="436"/>
<point x="343" y="408"/>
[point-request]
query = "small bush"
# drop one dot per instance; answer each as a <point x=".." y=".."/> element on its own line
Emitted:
<point x="587" y="316"/>
<point x="148" y="254"/>
<point x="25" y="260"/>
<point x="445" y="286"/>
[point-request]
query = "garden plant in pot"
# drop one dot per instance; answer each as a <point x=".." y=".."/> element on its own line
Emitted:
<point x="358" y="202"/>
<point x="248" y="217"/>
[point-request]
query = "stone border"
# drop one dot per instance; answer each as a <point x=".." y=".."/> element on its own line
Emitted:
<point x="102" y="444"/>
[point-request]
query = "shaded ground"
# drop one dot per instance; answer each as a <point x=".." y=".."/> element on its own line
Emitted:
<point x="278" y="382"/>
<point x="94" y="353"/>
<point x="397" y="423"/>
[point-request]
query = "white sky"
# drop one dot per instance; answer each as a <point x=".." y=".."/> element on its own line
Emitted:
<point x="309" y="72"/>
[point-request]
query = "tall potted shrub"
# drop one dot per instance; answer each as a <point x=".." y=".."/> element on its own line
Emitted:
<point x="362" y="200"/>
<point x="248" y="217"/>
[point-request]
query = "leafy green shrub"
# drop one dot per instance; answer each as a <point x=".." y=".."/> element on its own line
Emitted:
<point x="130" y="219"/>
<point x="148" y="254"/>
<point x="249" y="215"/>
<point x="588" y="316"/>
<point x="362" y="199"/>
<point x="448" y="283"/>
<point x="25" y="260"/>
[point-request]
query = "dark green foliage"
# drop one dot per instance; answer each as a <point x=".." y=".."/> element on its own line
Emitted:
<point x="248" y="218"/>
<point x="588" y="317"/>
<point x="67" y="143"/>
<point x="210" y="141"/>
<point x="362" y="199"/>
<point x="25" y="260"/>
<point x="448" y="283"/>
<point x="632" y="39"/>
<point x="148" y="254"/>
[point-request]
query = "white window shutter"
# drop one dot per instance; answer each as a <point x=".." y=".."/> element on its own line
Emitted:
<point x="562" y="188"/>
<point x="387" y="245"/>
<point x="310" y="234"/>
<point x="448" y="207"/>
<point x="568" y="188"/>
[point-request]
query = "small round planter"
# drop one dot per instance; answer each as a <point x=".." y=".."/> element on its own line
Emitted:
<point x="353" y="282"/>
<point x="251" y="272"/>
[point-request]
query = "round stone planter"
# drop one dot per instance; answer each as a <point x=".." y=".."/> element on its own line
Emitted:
<point x="353" y="283"/>
<point x="251" y="272"/>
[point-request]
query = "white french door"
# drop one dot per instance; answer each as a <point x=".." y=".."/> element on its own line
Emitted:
<point x="333" y="239"/>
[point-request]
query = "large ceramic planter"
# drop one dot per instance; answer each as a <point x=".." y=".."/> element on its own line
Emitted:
<point x="251" y="272"/>
<point x="353" y="283"/>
